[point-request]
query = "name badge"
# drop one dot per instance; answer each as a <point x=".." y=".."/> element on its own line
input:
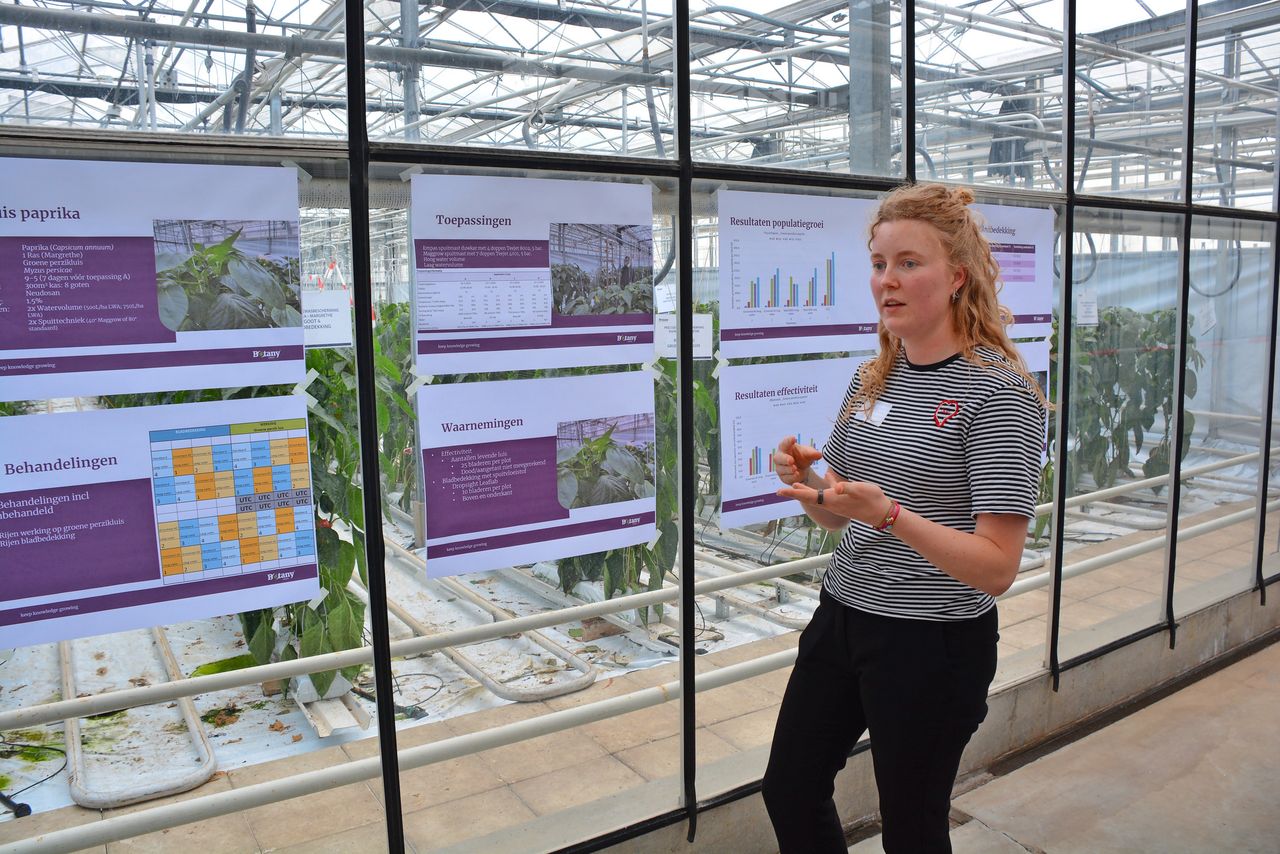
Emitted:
<point x="877" y="414"/>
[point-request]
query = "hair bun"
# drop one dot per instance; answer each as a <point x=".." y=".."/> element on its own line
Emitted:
<point x="963" y="195"/>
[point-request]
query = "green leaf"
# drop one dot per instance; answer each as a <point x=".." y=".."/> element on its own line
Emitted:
<point x="263" y="642"/>
<point x="344" y="631"/>
<point x="387" y="366"/>
<point x="610" y="489"/>
<point x="355" y="506"/>
<point x="345" y="564"/>
<point x="564" y="453"/>
<point x="169" y="260"/>
<point x="225" y="665"/>
<point x="173" y="305"/>
<point x="622" y="462"/>
<point x="384" y="417"/>
<point x="250" y="277"/>
<point x="566" y="488"/>
<point x="328" y="544"/>
<point x="233" y="311"/>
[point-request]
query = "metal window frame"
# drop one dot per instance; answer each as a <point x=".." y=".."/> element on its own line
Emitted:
<point x="361" y="153"/>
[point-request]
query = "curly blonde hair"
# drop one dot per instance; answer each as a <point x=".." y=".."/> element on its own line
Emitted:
<point x="978" y="317"/>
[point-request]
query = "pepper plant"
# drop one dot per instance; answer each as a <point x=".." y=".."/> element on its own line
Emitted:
<point x="1123" y="373"/>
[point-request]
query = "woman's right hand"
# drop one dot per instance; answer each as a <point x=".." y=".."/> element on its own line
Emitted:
<point x="792" y="460"/>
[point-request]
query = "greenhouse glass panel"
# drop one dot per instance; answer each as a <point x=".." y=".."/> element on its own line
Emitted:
<point x="1130" y="103"/>
<point x="211" y="498"/>
<point x="989" y="93"/>
<point x="798" y="86"/>
<point x="1230" y="314"/>
<point x="1126" y="270"/>
<point x="523" y="74"/>
<point x="268" y="69"/>
<point x="528" y="470"/>
<point x="1237" y="94"/>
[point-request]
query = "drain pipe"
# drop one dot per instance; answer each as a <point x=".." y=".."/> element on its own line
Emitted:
<point x="186" y="780"/>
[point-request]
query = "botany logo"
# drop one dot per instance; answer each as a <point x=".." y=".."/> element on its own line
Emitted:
<point x="947" y="409"/>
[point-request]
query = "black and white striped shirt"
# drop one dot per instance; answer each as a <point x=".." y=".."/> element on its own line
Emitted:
<point x="957" y="439"/>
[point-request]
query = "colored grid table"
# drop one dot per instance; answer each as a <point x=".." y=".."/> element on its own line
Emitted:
<point x="232" y="498"/>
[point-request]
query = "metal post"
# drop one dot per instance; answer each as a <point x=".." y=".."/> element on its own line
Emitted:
<point x="909" y="89"/>
<point x="409" y="36"/>
<point x="1264" y="476"/>
<point x="1065" y="328"/>
<point x="1184" y="291"/>
<point x="870" y="119"/>
<point x="375" y="547"/>
<point x="688" y="458"/>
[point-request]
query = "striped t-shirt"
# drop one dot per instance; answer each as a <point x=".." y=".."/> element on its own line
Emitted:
<point x="947" y="441"/>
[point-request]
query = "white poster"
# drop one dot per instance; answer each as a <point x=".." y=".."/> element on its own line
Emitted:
<point x="519" y="471"/>
<point x="515" y="273"/>
<point x="794" y="274"/>
<point x="1022" y="242"/>
<point x="1036" y="355"/>
<point x="124" y="518"/>
<point x="667" y="335"/>
<point x="760" y="405"/>
<point x="326" y="318"/>
<point x="134" y="277"/>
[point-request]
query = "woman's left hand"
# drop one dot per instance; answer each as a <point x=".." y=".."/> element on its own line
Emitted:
<point x="851" y="499"/>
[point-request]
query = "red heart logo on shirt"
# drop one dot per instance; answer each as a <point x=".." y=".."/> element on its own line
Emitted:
<point x="947" y="409"/>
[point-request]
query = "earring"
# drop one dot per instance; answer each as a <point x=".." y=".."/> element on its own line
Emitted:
<point x="955" y="295"/>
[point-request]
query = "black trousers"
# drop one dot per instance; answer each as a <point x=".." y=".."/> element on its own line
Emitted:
<point x="919" y="686"/>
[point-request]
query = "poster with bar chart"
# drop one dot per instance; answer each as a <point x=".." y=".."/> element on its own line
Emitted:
<point x="119" y="519"/>
<point x="759" y="406"/>
<point x="1022" y="243"/>
<point x="793" y="275"/>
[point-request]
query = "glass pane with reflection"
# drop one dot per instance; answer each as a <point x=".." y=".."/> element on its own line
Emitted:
<point x="1130" y="102"/>
<point x="244" y="487"/>
<point x="269" y="69"/>
<point x="1124" y="340"/>
<point x="514" y="737"/>
<point x="799" y="87"/>
<point x="1237" y="54"/>
<point x="572" y="78"/>
<point x="989" y="93"/>
<point x="1230" y="316"/>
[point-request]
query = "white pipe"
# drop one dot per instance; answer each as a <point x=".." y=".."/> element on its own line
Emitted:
<point x="1035" y="582"/>
<point x="587" y="672"/>
<point x="311" y="782"/>
<point x="134" y="791"/>
<point x="116" y="700"/>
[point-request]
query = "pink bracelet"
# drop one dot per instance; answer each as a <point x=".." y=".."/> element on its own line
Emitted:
<point x="886" y="524"/>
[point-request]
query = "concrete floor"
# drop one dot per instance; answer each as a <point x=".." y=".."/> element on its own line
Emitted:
<point x="1197" y="772"/>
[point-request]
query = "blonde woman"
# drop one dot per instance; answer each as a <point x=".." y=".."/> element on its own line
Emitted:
<point x="932" y="474"/>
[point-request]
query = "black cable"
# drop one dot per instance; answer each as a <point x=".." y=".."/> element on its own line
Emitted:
<point x="20" y="810"/>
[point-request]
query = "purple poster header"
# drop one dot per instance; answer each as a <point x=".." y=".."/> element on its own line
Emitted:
<point x="491" y="485"/>
<point x="533" y="342"/>
<point x="36" y="365"/>
<point x="754" y="501"/>
<point x="481" y="254"/>
<point x="541" y="535"/>
<point x="71" y="538"/>
<point x="78" y="292"/>
<point x="749" y="334"/>
<point x="152" y="595"/>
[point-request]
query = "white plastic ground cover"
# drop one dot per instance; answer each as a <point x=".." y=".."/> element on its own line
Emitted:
<point x="247" y="727"/>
